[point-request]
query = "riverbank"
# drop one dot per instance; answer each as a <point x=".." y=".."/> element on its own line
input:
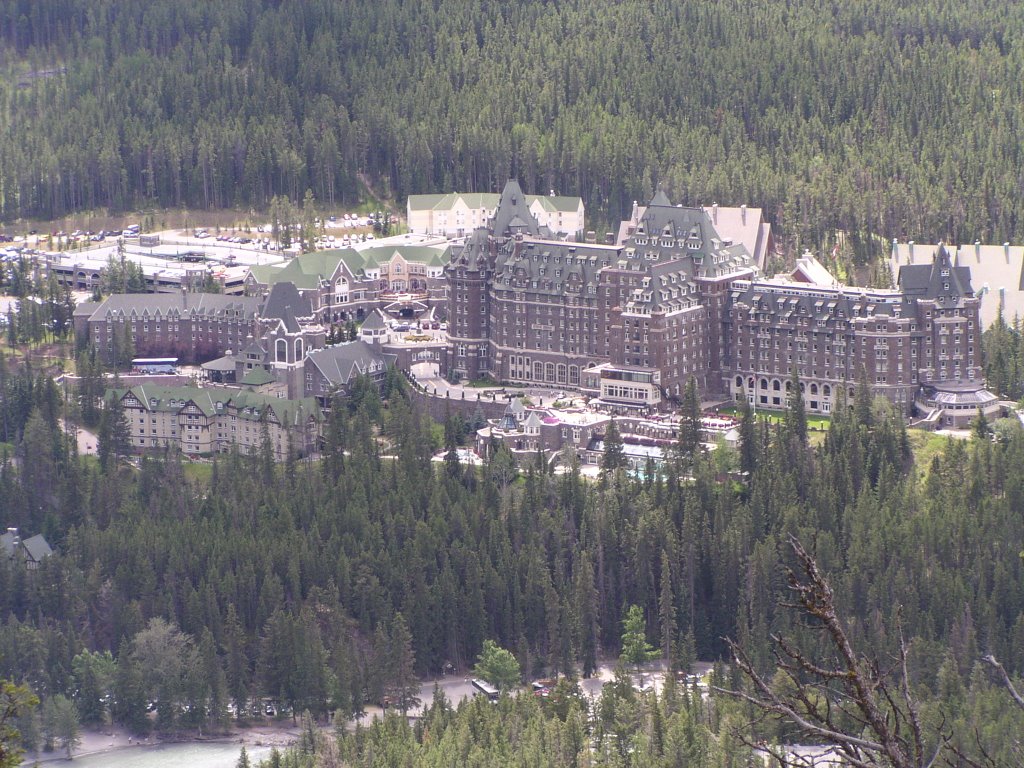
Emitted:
<point x="118" y="739"/>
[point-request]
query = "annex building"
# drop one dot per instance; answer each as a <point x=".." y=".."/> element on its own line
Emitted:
<point x="208" y="420"/>
<point x="458" y="214"/>
<point x="680" y="295"/>
<point x="404" y="278"/>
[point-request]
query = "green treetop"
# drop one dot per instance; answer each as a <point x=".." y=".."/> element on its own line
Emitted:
<point x="497" y="666"/>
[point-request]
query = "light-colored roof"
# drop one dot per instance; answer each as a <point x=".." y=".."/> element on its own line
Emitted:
<point x="307" y="270"/>
<point x="432" y="256"/>
<point x="809" y="269"/>
<point x="995" y="273"/>
<point x="489" y="200"/>
<point x="226" y="363"/>
<point x="742" y="225"/>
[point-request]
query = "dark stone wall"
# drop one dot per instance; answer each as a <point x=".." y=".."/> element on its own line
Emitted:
<point x="439" y="407"/>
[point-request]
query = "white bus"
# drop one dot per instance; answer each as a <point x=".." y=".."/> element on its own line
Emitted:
<point x="488" y="690"/>
<point x="155" y="365"/>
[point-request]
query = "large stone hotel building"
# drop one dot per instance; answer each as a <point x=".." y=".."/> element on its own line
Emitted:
<point x="678" y="297"/>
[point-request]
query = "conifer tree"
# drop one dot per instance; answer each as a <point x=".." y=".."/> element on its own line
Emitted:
<point x="614" y="457"/>
<point x="796" y="416"/>
<point x="689" y="422"/>
<point x="403" y="665"/>
<point x="635" y="648"/>
<point x="667" y="611"/>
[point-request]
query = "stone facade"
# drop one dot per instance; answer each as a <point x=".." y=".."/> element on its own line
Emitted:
<point x="927" y="330"/>
<point x="527" y="308"/>
<point x="190" y="326"/>
<point x="677" y="299"/>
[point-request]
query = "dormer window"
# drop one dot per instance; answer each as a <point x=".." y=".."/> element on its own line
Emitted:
<point x="945" y="273"/>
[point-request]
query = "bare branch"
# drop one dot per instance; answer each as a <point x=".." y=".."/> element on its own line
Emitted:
<point x="992" y="661"/>
<point x="849" y="700"/>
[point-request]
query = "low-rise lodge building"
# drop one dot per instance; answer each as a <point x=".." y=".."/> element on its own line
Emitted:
<point x="204" y="421"/>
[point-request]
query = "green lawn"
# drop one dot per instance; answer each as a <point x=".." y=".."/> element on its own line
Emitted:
<point x="198" y="472"/>
<point x="817" y="423"/>
<point x="925" y="446"/>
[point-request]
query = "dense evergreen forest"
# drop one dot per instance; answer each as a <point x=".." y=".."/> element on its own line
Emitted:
<point x="900" y="119"/>
<point x="326" y="584"/>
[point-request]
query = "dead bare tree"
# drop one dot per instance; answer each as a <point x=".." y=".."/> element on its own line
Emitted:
<point x="1007" y="682"/>
<point x="868" y="713"/>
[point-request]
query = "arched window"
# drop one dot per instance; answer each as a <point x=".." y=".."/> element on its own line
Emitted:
<point x="826" y="390"/>
<point x="776" y="385"/>
<point x="549" y="372"/>
<point x="789" y="386"/>
<point x="298" y="349"/>
<point x="814" y="389"/>
<point x="538" y="371"/>
<point x="739" y="382"/>
<point x="560" y="373"/>
<point x="574" y="374"/>
<point x="281" y="351"/>
<point x="764" y="383"/>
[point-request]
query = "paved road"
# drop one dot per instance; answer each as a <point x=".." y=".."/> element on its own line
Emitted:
<point x="87" y="441"/>
<point x="456" y="688"/>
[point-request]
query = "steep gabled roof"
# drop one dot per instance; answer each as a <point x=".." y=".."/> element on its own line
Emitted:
<point x="284" y="302"/>
<point x="514" y="206"/>
<point x="37" y="548"/>
<point x="374" y="321"/>
<point x="201" y="304"/>
<point x="660" y="198"/>
<point x="340" y="363"/>
<point x="940" y="281"/>
<point x="173" y="399"/>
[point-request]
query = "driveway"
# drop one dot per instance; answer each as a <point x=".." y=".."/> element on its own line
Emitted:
<point x="87" y="441"/>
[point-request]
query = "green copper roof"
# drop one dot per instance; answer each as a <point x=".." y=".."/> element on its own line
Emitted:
<point x="489" y="200"/>
<point x="257" y="377"/>
<point x="419" y="254"/>
<point x="249" y="405"/>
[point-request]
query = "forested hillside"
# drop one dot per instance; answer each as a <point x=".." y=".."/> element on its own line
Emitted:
<point x="318" y="583"/>
<point x="897" y="118"/>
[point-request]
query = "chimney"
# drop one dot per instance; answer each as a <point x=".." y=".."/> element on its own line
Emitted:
<point x="977" y="250"/>
<point x="16" y="539"/>
<point x="1006" y="252"/>
<point x="743" y="213"/>
<point x="910" y="246"/>
<point x="635" y="216"/>
<point x="714" y="212"/>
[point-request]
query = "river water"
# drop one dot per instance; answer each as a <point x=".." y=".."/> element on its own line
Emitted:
<point x="169" y="756"/>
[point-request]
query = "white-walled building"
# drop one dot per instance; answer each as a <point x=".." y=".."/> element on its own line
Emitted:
<point x="457" y="214"/>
